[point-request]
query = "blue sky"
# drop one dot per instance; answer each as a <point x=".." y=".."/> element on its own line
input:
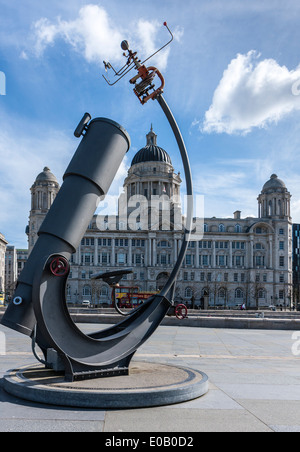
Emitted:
<point x="232" y="80"/>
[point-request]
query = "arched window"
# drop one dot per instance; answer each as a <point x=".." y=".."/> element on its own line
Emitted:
<point x="239" y="294"/>
<point x="104" y="291"/>
<point x="205" y="227"/>
<point x="270" y="209"/>
<point x="222" y="293"/>
<point x="221" y="300"/>
<point x="238" y="228"/>
<point x="279" y="208"/>
<point x="261" y="293"/>
<point x="221" y="228"/>
<point x="86" y="291"/>
<point x="188" y="292"/>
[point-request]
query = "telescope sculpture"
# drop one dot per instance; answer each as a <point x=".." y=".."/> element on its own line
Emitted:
<point x="39" y="307"/>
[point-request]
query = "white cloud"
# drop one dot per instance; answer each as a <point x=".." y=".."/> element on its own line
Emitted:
<point x="252" y="93"/>
<point x="91" y="34"/>
<point x="24" y="153"/>
<point x="97" y="37"/>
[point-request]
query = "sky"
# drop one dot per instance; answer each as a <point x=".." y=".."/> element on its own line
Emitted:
<point x="232" y="79"/>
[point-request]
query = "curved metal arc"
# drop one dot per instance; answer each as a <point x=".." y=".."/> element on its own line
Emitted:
<point x="111" y="346"/>
<point x="97" y="350"/>
<point x="189" y="189"/>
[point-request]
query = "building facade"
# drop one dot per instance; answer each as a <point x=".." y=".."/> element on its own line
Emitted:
<point x="296" y="264"/>
<point x="234" y="261"/>
<point x="3" y="245"/>
<point x="15" y="260"/>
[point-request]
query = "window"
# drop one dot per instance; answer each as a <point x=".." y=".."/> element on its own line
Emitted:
<point x="86" y="291"/>
<point x="281" y="278"/>
<point x="238" y="261"/>
<point x="239" y="294"/>
<point x="238" y="245"/>
<point x="105" y="258"/>
<point x="188" y="259"/>
<point x="138" y="258"/>
<point x="104" y="291"/>
<point x="221" y="228"/>
<point x="221" y="245"/>
<point x="281" y="294"/>
<point x="164" y="244"/>
<point x="238" y="228"/>
<point x="163" y="259"/>
<point x="205" y="228"/>
<point x="122" y="258"/>
<point x="205" y="260"/>
<point x="281" y="261"/>
<point x="221" y="261"/>
<point x="281" y="245"/>
<point x="259" y="261"/>
<point x="88" y="258"/>
<point x="261" y="293"/>
<point x="188" y="292"/>
<point x="281" y="231"/>
<point x="205" y="244"/>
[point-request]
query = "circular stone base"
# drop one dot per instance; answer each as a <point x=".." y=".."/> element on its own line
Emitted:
<point x="147" y="385"/>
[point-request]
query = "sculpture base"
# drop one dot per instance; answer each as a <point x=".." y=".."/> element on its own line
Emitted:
<point x="147" y="385"/>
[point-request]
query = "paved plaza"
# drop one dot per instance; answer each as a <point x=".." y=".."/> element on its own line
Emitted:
<point x="254" y="385"/>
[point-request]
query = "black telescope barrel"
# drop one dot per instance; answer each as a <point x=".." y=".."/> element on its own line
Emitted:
<point x="86" y="180"/>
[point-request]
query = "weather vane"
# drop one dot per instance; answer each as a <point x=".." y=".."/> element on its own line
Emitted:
<point x="144" y="86"/>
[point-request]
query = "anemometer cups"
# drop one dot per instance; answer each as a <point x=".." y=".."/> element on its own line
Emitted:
<point x="86" y="180"/>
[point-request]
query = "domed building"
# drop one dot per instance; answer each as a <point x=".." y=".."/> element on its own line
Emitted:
<point x="235" y="261"/>
<point x="274" y="200"/>
<point x="3" y="245"/>
<point x="43" y="193"/>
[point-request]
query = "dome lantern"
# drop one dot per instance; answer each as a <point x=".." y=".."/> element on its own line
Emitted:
<point x="151" y="152"/>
